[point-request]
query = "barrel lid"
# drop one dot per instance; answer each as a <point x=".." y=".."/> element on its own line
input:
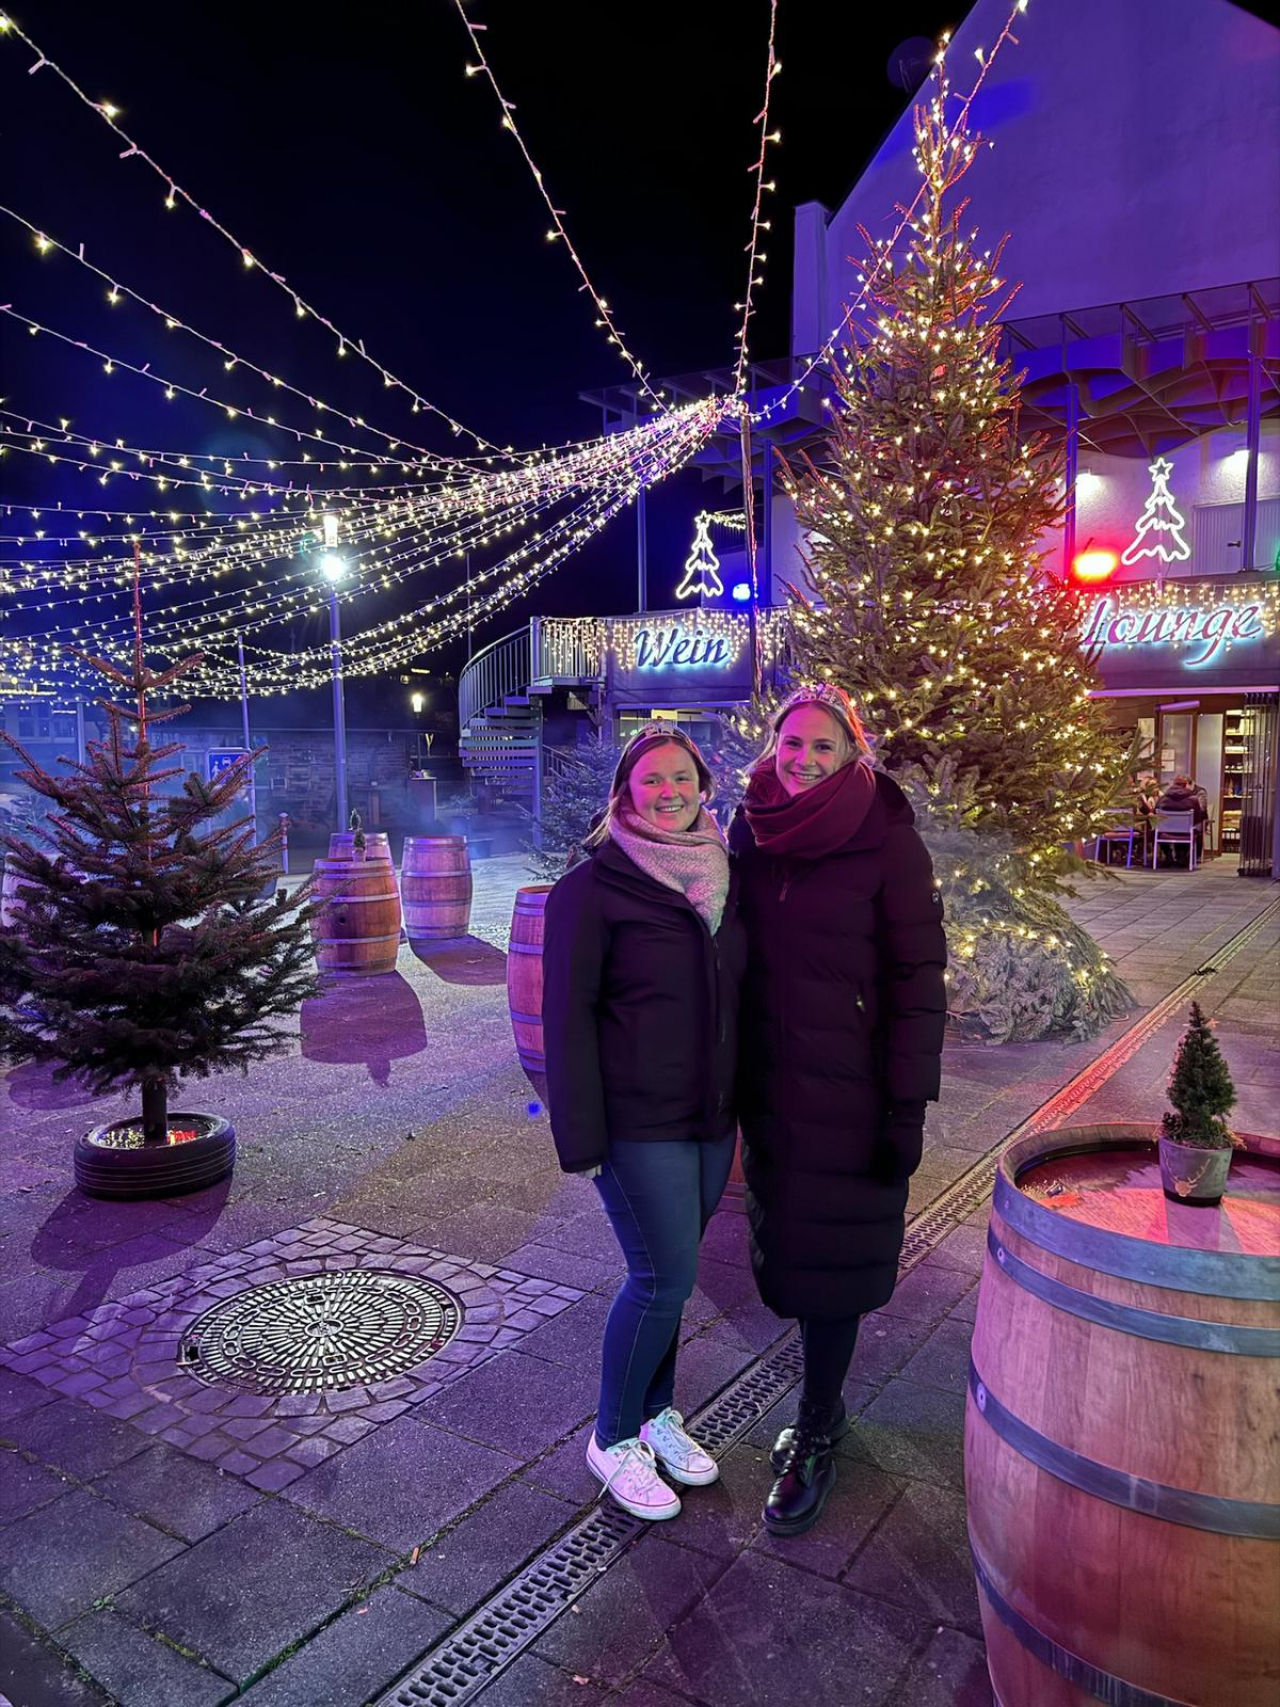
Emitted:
<point x="1182" y="1264"/>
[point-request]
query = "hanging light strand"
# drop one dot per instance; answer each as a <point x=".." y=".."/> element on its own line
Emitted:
<point x="559" y="232"/>
<point x="755" y="257"/>
<point x="886" y="247"/>
<point x="175" y="193"/>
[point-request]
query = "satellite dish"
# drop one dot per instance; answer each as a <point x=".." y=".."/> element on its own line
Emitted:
<point x="910" y="63"/>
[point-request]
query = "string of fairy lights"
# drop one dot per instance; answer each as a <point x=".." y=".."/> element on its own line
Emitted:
<point x="221" y="541"/>
<point x="846" y="326"/>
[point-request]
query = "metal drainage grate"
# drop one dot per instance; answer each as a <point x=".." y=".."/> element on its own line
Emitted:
<point x="321" y="1332"/>
<point x="466" y="1662"/>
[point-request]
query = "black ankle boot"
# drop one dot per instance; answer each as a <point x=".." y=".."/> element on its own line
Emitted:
<point x="808" y="1475"/>
<point x="837" y="1428"/>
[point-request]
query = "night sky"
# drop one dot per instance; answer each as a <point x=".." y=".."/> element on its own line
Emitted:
<point x="362" y="164"/>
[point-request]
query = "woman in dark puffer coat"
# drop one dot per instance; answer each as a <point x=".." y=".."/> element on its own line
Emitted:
<point x="840" y="1048"/>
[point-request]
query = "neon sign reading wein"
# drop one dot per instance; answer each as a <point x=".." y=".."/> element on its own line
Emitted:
<point x="1205" y="629"/>
<point x="672" y="648"/>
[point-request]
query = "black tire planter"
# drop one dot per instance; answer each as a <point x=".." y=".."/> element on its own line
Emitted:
<point x="156" y="1170"/>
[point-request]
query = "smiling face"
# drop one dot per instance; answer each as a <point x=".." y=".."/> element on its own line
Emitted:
<point x="663" y="787"/>
<point x="811" y="746"/>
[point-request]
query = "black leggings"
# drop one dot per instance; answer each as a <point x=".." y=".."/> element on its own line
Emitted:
<point x="828" y="1352"/>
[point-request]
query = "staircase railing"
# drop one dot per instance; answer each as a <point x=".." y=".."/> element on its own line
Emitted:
<point x="499" y="669"/>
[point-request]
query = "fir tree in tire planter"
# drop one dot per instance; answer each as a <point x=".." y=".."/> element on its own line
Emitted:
<point x="143" y="951"/>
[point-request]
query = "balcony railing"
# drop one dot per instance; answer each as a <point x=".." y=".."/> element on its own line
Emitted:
<point x="568" y="648"/>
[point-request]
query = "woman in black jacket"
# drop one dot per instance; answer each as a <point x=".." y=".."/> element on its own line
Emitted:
<point x="842" y="1019"/>
<point x="642" y="962"/>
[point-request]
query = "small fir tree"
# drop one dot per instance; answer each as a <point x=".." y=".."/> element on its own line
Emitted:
<point x="925" y="520"/>
<point x="573" y="797"/>
<point x="143" y="951"/>
<point x="1201" y="1091"/>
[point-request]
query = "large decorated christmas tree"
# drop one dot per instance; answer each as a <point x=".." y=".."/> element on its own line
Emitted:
<point x="926" y="517"/>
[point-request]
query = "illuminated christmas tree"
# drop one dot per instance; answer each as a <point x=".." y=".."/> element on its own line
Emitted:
<point x="702" y="566"/>
<point x="1161" y="517"/>
<point x="925" y="518"/>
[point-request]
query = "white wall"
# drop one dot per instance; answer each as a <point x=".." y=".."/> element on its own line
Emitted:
<point x="1113" y="491"/>
<point x="1135" y="149"/>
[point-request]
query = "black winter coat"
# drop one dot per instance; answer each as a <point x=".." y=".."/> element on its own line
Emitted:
<point x="639" y="1010"/>
<point x="840" y="1047"/>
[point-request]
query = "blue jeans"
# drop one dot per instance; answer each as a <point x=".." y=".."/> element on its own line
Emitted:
<point x="659" y="1197"/>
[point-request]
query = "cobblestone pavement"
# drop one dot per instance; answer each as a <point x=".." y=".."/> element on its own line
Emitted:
<point x="165" y="1540"/>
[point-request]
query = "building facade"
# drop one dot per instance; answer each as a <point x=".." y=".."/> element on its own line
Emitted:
<point x="1130" y="145"/>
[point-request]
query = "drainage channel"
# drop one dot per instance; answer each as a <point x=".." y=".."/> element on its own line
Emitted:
<point x="466" y="1661"/>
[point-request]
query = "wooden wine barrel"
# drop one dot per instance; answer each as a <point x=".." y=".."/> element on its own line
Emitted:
<point x="357" y="932"/>
<point x="435" y="885"/>
<point x="1122" y="1430"/>
<point x="377" y="845"/>
<point x="524" y="981"/>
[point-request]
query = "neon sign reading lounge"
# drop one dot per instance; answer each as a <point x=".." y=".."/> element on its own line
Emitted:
<point x="1202" y="629"/>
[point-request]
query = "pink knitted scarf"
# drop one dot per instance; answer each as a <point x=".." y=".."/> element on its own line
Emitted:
<point x="694" y="862"/>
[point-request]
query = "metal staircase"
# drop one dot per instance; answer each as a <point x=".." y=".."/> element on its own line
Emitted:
<point x="500" y="696"/>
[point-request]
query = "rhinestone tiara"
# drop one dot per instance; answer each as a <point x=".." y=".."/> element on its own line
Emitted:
<point x="822" y="693"/>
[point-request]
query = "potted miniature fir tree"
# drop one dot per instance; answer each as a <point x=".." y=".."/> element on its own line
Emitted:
<point x="143" y="950"/>
<point x="1195" y="1140"/>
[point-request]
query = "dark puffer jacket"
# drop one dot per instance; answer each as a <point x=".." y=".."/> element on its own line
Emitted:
<point x="843" y="1011"/>
<point x="639" y="1008"/>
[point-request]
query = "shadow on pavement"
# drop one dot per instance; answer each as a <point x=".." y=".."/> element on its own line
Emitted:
<point x="96" y="1239"/>
<point x="32" y="1086"/>
<point x="463" y="960"/>
<point x="371" y="1020"/>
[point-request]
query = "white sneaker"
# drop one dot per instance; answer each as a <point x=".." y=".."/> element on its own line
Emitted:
<point x="630" y="1474"/>
<point x="679" y="1453"/>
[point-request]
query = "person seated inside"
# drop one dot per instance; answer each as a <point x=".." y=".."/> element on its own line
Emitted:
<point x="1182" y="796"/>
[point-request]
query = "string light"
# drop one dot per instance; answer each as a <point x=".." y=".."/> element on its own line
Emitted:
<point x="559" y="231"/>
<point x="884" y="247"/>
<point x="754" y="256"/>
<point x="175" y="193"/>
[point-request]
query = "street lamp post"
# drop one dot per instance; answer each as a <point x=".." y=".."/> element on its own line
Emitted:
<point x="334" y="568"/>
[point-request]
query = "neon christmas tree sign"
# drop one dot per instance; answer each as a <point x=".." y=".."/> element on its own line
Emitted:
<point x="702" y="566"/>
<point x="1160" y="525"/>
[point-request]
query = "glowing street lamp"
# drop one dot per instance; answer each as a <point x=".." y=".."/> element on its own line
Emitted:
<point x="334" y="568"/>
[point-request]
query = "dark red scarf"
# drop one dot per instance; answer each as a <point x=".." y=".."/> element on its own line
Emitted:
<point x="817" y="821"/>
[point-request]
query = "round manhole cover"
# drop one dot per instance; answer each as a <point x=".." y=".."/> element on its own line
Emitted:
<point x="321" y="1332"/>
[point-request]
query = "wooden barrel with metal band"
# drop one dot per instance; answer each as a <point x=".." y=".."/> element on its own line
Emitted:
<point x="357" y="932"/>
<point x="435" y="884"/>
<point x="1122" y="1432"/>
<point x="524" y="981"/>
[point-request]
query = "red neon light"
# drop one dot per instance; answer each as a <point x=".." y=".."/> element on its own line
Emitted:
<point x="1092" y="566"/>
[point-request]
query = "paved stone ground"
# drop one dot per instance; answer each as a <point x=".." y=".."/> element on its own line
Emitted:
<point x="136" y="1570"/>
